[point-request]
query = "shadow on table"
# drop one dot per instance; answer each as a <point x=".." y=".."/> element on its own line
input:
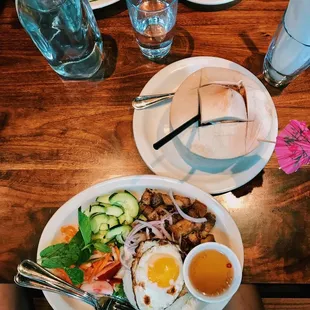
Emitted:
<point x="110" y="53"/>
<point x="209" y="8"/>
<point x="255" y="62"/>
<point x="2" y="5"/>
<point x="114" y="9"/>
<point x="183" y="42"/>
<point x="248" y="187"/>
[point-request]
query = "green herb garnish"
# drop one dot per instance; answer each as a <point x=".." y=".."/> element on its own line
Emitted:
<point x="65" y="256"/>
<point x="76" y="275"/>
<point x="84" y="225"/>
<point x="119" y="291"/>
<point x="102" y="247"/>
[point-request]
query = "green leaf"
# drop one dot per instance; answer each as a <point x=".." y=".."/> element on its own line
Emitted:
<point x="67" y="256"/>
<point x="84" y="256"/>
<point x="87" y="247"/>
<point x="119" y="291"/>
<point x="53" y="250"/>
<point x="75" y="274"/>
<point x="85" y="228"/>
<point x="102" y="247"/>
<point x="78" y="240"/>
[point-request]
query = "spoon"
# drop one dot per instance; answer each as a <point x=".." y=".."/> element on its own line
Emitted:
<point x="32" y="275"/>
<point x="143" y="102"/>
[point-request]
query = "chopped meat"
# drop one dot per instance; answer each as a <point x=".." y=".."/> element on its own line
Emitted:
<point x="209" y="238"/>
<point x="186" y="245"/>
<point x="193" y="238"/>
<point x="208" y="225"/>
<point x="167" y="200"/>
<point x="176" y="218"/>
<point x="155" y="206"/>
<point x="153" y="216"/>
<point x="146" y="210"/>
<point x="146" y="197"/>
<point x="156" y="200"/>
<point x="191" y="212"/>
<point x="200" y="208"/>
<point x="157" y="213"/>
<point x="161" y="211"/>
<point x="183" y="202"/>
<point x="183" y="228"/>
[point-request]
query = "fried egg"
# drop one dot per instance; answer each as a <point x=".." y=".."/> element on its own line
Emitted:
<point x="157" y="274"/>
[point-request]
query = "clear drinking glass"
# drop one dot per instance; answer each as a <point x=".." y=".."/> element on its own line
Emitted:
<point x="66" y="33"/>
<point x="153" y="22"/>
<point x="286" y="58"/>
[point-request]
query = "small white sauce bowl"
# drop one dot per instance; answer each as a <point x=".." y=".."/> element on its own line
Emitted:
<point x="235" y="265"/>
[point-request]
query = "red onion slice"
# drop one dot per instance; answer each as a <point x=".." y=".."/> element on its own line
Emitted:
<point x="183" y="214"/>
<point x="151" y="225"/>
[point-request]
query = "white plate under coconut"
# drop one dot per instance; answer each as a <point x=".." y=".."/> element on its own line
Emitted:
<point x="204" y="90"/>
<point x="211" y="2"/>
<point x="175" y="159"/>
<point x="225" y="229"/>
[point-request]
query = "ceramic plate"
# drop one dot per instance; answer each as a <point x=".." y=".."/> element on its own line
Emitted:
<point x="225" y="230"/>
<point x="211" y="2"/>
<point x="173" y="160"/>
<point x="97" y="4"/>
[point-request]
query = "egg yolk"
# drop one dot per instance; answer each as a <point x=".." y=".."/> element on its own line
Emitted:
<point x="163" y="270"/>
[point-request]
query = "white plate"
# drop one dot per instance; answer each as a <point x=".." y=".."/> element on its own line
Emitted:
<point x="97" y="4"/>
<point x="211" y="2"/>
<point x="173" y="160"/>
<point x="225" y="230"/>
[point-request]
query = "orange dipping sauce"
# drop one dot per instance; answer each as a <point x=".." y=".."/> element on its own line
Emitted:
<point x="211" y="273"/>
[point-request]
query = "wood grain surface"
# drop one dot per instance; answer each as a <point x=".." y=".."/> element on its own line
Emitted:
<point x="58" y="137"/>
<point x="269" y="304"/>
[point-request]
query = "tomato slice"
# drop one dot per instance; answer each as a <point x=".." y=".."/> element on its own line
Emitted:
<point x="110" y="271"/>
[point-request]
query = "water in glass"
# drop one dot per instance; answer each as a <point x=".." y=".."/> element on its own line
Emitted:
<point x="153" y="22"/>
<point x="66" y="33"/>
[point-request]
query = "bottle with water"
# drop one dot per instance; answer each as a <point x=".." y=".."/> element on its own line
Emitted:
<point x="66" y="33"/>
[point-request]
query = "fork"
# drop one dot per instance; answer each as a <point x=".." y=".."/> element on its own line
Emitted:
<point x="32" y="275"/>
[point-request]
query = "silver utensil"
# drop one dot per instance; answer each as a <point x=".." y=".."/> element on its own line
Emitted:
<point x="32" y="275"/>
<point x="143" y="102"/>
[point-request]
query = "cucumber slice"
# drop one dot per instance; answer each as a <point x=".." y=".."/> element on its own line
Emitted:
<point x="94" y="209"/>
<point x="97" y="221"/>
<point x="142" y="218"/>
<point x="113" y="221"/>
<point x="100" y="235"/>
<point x="122" y="219"/>
<point x="127" y="201"/>
<point x="120" y="230"/>
<point x="103" y="199"/>
<point x="103" y="227"/>
<point x="128" y="219"/>
<point x="106" y="240"/>
<point x="115" y="211"/>
<point x="119" y="239"/>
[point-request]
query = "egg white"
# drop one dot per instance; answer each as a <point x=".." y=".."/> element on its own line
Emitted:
<point x="144" y="289"/>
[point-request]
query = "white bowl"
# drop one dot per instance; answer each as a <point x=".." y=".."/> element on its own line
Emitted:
<point x="235" y="264"/>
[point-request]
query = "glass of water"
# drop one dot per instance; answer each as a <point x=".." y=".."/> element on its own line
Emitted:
<point x="66" y="33"/>
<point x="286" y="58"/>
<point x="153" y="22"/>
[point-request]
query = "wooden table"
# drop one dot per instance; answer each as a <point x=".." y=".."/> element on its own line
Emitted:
<point x="58" y="138"/>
